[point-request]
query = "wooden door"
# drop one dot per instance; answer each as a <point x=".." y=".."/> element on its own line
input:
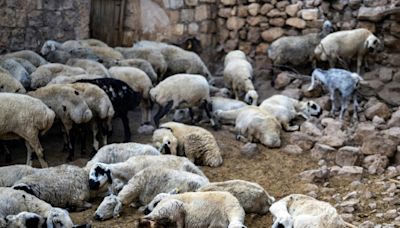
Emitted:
<point x="107" y="21"/>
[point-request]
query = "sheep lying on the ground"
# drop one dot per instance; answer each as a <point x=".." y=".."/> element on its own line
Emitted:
<point x="238" y="74"/>
<point x="29" y="67"/>
<point x="22" y="220"/>
<point x="72" y="79"/>
<point x="9" y="175"/>
<point x="145" y="185"/>
<point x="345" y="45"/>
<point x="300" y="211"/>
<point x="252" y="197"/>
<point x="340" y="80"/>
<point x="17" y="71"/>
<point x="123" y="99"/>
<point x="9" y="84"/>
<point x="26" y="117"/>
<point x="114" y="176"/>
<point x="31" y="56"/>
<point x="181" y="91"/>
<point x="286" y="109"/>
<point x="120" y="152"/>
<point x="252" y="123"/>
<point x="139" y="82"/>
<point x="64" y="186"/>
<point x="142" y="64"/>
<point x="13" y="202"/>
<point x="69" y="106"/>
<point x="43" y="74"/>
<point x="90" y="66"/>
<point x="195" y="209"/>
<point x="196" y="143"/>
<point x="220" y="92"/>
<point x="296" y="50"/>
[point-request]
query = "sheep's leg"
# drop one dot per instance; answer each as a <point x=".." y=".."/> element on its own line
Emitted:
<point x="95" y="131"/>
<point x="343" y="103"/>
<point x="28" y="154"/>
<point x="161" y="112"/>
<point x="355" y="107"/>
<point x="208" y="108"/>
<point x="145" y="112"/>
<point x="109" y="126"/>
<point x="287" y="127"/>
<point x="127" y="131"/>
<point x="333" y="108"/>
<point x="359" y="63"/>
<point x="35" y="144"/>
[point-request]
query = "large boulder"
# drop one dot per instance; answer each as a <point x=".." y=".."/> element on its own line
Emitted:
<point x="363" y="131"/>
<point x="379" y="144"/>
<point x="349" y="156"/>
<point x="301" y="139"/>
<point x="390" y="93"/>
<point x="379" y="109"/>
<point x="346" y="174"/>
<point x="321" y="151"/>
<point x="376" y="14"/>
<point x="375" y="164"/>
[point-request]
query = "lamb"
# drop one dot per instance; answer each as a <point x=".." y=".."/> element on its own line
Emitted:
<point x="55" y="52"/>
<point x="340" y="80"/>
<point x="123" y="99"/>
<point x="17" y="71"/>
<point x="29" y="67"/>
<point x="106" y="54"/>
<point x="9" y="84"/>
<point x="69" y="106"/>
<point x="9" y="175"/>
<point x="142" y="64"/>
<point x="346" y="44"/>
<point x="138" y="81"/>
<point x="22" y="220"/>
<point x="31" y="56"/>
<point x="172" y="93"/>
<point x="196" y="143"/>
<point x="298" y="211"/>
<point x="64" y="186"/>
<point x="252" y="197"/>
<point x="195" y="209"/>
<point x="103" y="175"/>
<point x="72" y="79"/>
<point x="145" y="185"/>
<point x="238" y="74"/>
<point x="297" y="50"/>
<point x="14" y="202"/>
<point x="120" y="152"/>
<point x="90" y="66"/>
<point x="26" y="117"/>
<point x="286" y="109"/>
<point x="252" y="123"/>
<point x="43" y="75"/>
<point x="51" y="45"/>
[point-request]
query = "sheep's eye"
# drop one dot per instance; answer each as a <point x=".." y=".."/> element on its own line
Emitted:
<point x="1" y="87"/>
<point x="168" y="142"/>
<point x="313" y="106"/>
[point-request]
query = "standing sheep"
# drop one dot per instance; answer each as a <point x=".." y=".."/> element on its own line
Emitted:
<point x="17" y="71"/>
<point x="72" y="79"/>
<point x="195" y="210"/>
<point x="90" y="66"/>
<point x="196" y="143"/>
<point x="26" y="117"/>
<point x="9" y="84"/>
<point x="142" y="64"/>
<point x="31" y="56"/>
<point x="144" y="186"/>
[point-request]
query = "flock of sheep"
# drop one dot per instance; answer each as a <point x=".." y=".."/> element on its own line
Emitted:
<point x="86" y="82"/>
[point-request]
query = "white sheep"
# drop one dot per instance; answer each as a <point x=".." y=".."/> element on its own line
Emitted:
<point x="17" y="71"/>
<point x="9" y="175"/>
<point x="71" y="79"/>
<point x="69" y="106"/>
<point x="196" y="143"/>
<point x="120" y="152"/>
<point x="252" y="197"/>
<point x="139" y="82"/>
<point x="31" y="56"/>
<point x="90" y="66"/>
<point x="26" y="117"/>
<point x="142" y="64"/>
<point x="345" y="45"/>
<point x="145" y="185"/>
<point x="107" y="54"/>
<point x="181" y="91"/>
<point x="285" y="109"/>
<point x="64" y="186"/>
<point x="43" y="74"/>
<point x="301" y="211"/>
<point x="29" y="67"/>
<point x="9" y="84"/>
<point x="112" y="177"/>
<point x="22" y="220"/>
<point x="195" y="209"/>
<point x="13" y="202"/>
<point x="254" y="124"/>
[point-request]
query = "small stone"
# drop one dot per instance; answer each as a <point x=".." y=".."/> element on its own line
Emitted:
<point x="292" y="149"/>
<point x="378" y="144"/>
<point x="272" y="34"/>
<point x="296" y="22"/>
<point x="254" y="9"/>
<point x="235" y="23"/>
<point x="303" y="140"/>
<point x="309" y="14"/>
<point x="282" y="80"/>
<point x="349" y="156"/>
<point x="376" y="164"/>
<point x="249" y="149"/>
<point x="292" y="10"/>
<point x="310" y="129"/>
<point x="266" y="8"/>
<point x="395" y="119"/>
<point x="321" y="151"/>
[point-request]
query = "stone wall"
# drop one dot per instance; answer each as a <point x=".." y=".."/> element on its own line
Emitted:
<point x="26" y="24"/>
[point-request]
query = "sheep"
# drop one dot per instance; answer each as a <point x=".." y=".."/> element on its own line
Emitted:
<point x="106" y="54"/>
<point x="14" y="202"/>
<point x="23" y="219"/>
<point x="340" y="80"/>
<point x="56" y="52"/>
<point x="90" y="66"/>
<point x="252" y="197"/>
<point x="43" y="74"/>
<point x="144" y="186"/>
<point x="9" y="175"/>
<point x="31" y="56"/>
<point x="26" y="117"/>
<point x="238" y="74"/>
<point x="17" y="71"/>
<point x="235" y="54"/>
<point x="29" y="67"/>
<point x="196" y="143"/>
<point x="102" y="175"/>
<point x="9" y="84"/>
<point x="51" y="45"/>
<point x="181" y="91"/>
<point x="120" y="152"/>
<point x="255" y="124"/>
<point x="69" y="106"/>
<point x="285" y="109"/>
<point x="123" y="99"/>
<point x="220" y="92"/>
<point x="142" y="64"/>
<point x="72" y="79"/>
<point x="64" y="186"/>
<point x="195" y="209"/>
<point x="190" y="44"/>
<point x="345" y="45"/>
<point x="297" y="50"/>
<point x="298" y="211"/>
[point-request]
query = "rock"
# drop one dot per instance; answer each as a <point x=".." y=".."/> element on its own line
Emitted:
<point x="235" y="23"/>
<point x="249" y="149"/>
<point x="378" y="144"/>
<point x="375" y="164"/>
<point x="146" y="129"/>
<point x="315" y="175"/>
<point x="363" y="131"/>
<point x="392" y="133"/>
<point x="296" y="22"/>
<point x="378" y="121"/>
<point x="292" y="149"/>
<point x="355" y="3"/>
<point x="321" y="151"/>
<point x="254" y="9"/>
<point x="395" y="119"/>
<point x="370" y="87"/>
<point x="309" y="14"/>
<point x="282" y="4"/>
<point x="333" y="135"/>
<point x="282" y="80"/>
<point x="379" y="109"/>
<point x="386" y="74"/>
<point x="272" y="34"/>
<point x="391" y="214"/>
<point x="293" y="93"/>
<point x="345" y="174"/>
<point x="316" y="92"/>
<point x="276" y="13"/>
<point x="292" y="9"/>
<point x="253" y="35"/>
<point x="349" y="156"/>
<point x="266" y="8"/>
<point x="277" y="22"/>
<point x="301" y="139"/>
<point x="228" y="2"/>
<point x="375" y="14"/>
<point x="310" y="129"/>
<point x="390" y="93"/>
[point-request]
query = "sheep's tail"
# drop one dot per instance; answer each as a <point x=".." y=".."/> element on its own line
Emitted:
<point x="312" y="81"/>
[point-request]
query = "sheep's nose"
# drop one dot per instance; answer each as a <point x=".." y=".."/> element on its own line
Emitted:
<point x="94" y="185"/>
<point x="97" y="217"/>
<point x="146" y="211"/>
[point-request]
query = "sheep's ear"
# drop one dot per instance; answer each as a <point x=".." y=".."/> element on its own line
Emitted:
<point x="117" y="209"/>
<point x="109" y="178"/>
<point x="24" y="187"/>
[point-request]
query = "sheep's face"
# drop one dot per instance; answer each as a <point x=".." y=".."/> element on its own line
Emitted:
<point x="99" y="175"/>
<point x="150" y="207"/>
<point x="283" y="222"/>
<point x="251" y="97"/>
<point x="165" y="141"/>
<point x="110" y="207"/>
<point x="59" y="218"/>
<point x="312" y="109"/>
<point x="224" y="92"/>
<point x="373" y="43"/>
<point x="25" y="219"/>
<point x="182" y="115"/>
<point x="48" y="47"/>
